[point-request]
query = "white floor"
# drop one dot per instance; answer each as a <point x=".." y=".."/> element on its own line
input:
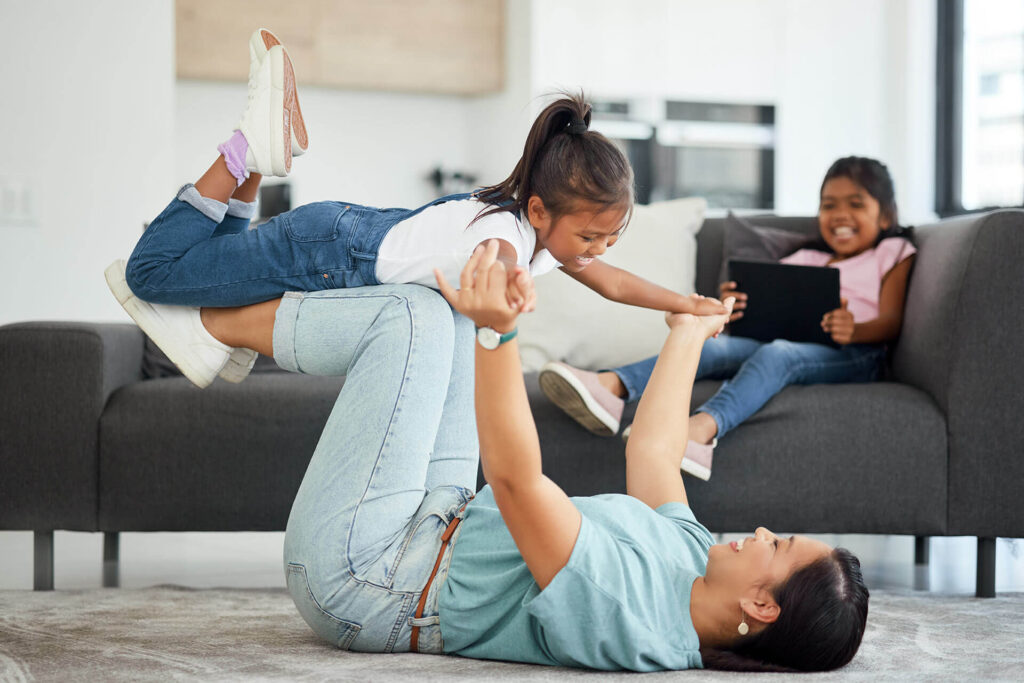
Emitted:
<point x="251" y="560"/>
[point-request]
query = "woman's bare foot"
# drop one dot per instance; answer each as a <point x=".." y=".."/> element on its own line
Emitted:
<point x="250" y="327"/>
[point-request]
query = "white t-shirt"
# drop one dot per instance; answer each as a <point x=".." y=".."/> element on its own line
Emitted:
<point x="441" y="237"/>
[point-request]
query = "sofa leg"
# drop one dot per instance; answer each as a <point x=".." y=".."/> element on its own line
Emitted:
<point x="111" y="559"/>
<point x="42" y="579"/>
<point x="985" y="585"/>
<point x="921" y="548"/>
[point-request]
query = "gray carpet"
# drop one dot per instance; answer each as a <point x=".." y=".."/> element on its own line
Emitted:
<point x="166" y="633"/>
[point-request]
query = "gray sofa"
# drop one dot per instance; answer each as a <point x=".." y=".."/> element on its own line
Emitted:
<point x="88" y="444"/>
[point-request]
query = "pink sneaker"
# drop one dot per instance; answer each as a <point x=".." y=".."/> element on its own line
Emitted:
<point x="697" y="459"/>
<point x="580" y="394"/>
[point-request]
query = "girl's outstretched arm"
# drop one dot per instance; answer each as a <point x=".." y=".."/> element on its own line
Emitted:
<point x="658" y="436"/>
<point x="542" y="520"/>
<point x="624" y="287"/>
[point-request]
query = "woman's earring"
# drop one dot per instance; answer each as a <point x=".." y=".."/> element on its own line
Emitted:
<point x="743" y="628"/>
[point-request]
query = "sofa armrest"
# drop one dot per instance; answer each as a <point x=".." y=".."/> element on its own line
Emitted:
<point x="963" y="332"/>
<point x="55" y="378"/>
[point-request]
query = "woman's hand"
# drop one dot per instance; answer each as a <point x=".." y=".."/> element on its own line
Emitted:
<point x="709" y="325"/>
<point x="728" y="289"/>
<point x="519" y="290"/>
<point x="483" y="293"/>
<point x="838" y="324"/>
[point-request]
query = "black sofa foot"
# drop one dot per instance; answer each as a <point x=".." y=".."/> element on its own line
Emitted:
<point x="111" y="559"/>
<point x="985" y="586"/>
<point x="42" y="550"/>
<point x="921" y="549"/>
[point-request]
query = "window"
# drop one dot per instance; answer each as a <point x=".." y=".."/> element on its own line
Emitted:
<point x="980" y="117"/>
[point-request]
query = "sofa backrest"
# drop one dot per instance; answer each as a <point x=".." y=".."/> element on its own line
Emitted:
<point x="711" y="241"/>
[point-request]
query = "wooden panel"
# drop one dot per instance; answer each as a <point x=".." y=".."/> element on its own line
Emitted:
<point x="438" y="46"/>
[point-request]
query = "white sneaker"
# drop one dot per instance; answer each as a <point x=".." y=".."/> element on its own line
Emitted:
<point x="261" y="41"/>
<point x="177" y="330"/>
<point x="239" y="365"/>
<point x="266" y="123"/>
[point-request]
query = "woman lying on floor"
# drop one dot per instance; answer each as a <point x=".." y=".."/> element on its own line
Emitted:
<point x="387" y="548"/>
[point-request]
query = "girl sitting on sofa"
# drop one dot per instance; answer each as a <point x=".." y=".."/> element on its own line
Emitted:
<point x="388" y="550"/>
<point x="861" y="237"/>
<point x="567" y="200"/>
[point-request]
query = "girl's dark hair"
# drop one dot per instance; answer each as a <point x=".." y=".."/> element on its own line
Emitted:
<point x="874" y="177"/>
<point x="563" y="163"/>
<point x="823" y="608"/>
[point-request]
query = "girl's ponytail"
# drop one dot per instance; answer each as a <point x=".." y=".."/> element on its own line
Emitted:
<point x="564" y="162"/>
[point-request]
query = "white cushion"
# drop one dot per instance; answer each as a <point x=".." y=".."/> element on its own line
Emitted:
<point x="574" y="324"/>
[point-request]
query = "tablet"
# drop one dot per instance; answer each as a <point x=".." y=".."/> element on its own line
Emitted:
<point x="784" y="301"/>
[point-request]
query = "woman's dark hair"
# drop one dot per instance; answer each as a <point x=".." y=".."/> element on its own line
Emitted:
<point x="874" y="177"/>
<point x="563" y="163"/>
<point x="822" y="611"/>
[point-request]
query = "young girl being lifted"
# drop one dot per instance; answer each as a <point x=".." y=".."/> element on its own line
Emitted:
<point x="568" y="199"/>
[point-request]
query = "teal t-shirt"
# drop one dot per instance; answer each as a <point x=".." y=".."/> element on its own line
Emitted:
<point x="621" y="602"/>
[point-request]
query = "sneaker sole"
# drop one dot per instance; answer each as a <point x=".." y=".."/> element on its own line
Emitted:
<point x="239" y="365"/>
<point x="693" y="469"/>
<point x="300" y="138"/>
<point x="565" y="392"/>
<point x="288" y="97"/>
<point x="161" y="335"/>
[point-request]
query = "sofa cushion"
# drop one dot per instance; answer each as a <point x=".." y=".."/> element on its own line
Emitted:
<point x="226" y="458"/>
<point x="850" y="458"/>
<point x="577" y="325"/>
<point x="711" y="245"/>
<point x="745" y="240"/>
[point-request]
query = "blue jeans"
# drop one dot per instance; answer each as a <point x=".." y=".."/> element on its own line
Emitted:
<point x="757" y="371"/>
<point x="394" y="465"/>
<point x="188" y="256"/>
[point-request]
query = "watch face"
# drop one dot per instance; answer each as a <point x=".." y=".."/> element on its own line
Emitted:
<point x="488" y="338"/>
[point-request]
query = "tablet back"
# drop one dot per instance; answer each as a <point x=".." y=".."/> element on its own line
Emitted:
<point x="784" y="301"/>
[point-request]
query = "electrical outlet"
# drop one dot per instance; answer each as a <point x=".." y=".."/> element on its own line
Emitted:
<point x="17" y="202"/>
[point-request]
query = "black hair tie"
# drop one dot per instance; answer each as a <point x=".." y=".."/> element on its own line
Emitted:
<point x="578" y="127"/>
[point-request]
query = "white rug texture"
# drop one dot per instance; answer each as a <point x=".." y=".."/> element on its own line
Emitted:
<point x="170" y="633"/>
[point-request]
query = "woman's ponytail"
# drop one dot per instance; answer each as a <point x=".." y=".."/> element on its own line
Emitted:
<point x="564" y="162"/>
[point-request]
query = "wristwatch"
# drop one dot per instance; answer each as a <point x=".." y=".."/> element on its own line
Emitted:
<point x="490" y="338"/>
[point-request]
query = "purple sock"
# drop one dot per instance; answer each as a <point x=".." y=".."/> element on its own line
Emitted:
<point x="234" y="150"/>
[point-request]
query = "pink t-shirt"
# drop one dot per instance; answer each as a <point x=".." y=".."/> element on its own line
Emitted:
<point x="860" y="276"/>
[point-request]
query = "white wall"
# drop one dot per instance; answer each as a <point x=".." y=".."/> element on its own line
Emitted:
<point x="846" y="76"/>
<point x="87" y="121"/>
<point x="372" y="148"/>
<point x="105" y="133"/>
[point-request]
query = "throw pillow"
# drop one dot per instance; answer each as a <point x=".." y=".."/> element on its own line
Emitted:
<point x="744" y="240"/>
<point x="575" y="324"/>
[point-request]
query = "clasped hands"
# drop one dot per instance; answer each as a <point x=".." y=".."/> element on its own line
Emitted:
<point x="490" y="294"/>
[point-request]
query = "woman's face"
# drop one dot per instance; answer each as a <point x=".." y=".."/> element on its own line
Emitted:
<point x="762" y="561"/>
<point x="849" y="218"/>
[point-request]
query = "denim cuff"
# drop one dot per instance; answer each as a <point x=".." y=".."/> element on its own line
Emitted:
<point x="632" y="394"/>
<point x="284" y="331"/>
<point x="240" y="209"/>
<point x="210" y="208"/>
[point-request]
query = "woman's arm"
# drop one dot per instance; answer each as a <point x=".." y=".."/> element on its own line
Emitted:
<point x="624" y="287"/>
<point x="542" y="520"/>
<point x="658" y="436"/>
<point x="886" y="327"/>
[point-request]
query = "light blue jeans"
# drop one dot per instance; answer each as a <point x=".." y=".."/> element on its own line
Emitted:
<point x="394" y="465"/>
<point x="756" y="371"/>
